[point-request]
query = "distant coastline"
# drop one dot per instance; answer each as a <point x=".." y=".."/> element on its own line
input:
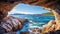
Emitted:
<point x="43" y="14"/>
<point x="48" y="14"/>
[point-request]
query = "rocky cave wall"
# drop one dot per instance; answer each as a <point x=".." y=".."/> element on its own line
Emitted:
<point x="52" y="5"/>
<point x="7" y="5"/>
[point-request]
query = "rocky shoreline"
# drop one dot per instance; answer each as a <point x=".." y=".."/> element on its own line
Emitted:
<point x="12" y="24"/>
<point x="51" y="28"/>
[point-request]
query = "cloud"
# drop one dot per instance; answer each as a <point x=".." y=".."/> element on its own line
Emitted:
<point x="21" y="12"/>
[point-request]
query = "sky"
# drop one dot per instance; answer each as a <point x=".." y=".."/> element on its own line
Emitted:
<point x="27" y="9"/>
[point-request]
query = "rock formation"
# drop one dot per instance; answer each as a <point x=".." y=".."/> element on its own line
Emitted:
<point x="11" y="23"/>
<point x="51" y="27"/>
<point x="52" y="5"/>
<point x="7" y="5"/>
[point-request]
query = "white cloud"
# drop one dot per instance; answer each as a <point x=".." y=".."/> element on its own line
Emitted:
<point x="17" y="11"/>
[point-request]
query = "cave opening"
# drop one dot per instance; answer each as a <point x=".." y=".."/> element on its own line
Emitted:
<point x="38" y="16"/>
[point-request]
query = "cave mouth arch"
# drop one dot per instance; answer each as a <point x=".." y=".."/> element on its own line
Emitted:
<point x="53" y="6"/>
<point x="31" y="7"/>
<point x="34" y="9"/>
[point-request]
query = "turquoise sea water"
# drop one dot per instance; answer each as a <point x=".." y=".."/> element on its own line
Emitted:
<point x="38" y="21"/>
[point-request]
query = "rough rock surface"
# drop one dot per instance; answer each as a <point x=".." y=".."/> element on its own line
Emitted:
<point x="7" y="5"/>
<point x="11" y="24"/>
<point x="52" y="5"/>
<point x="51" y="27"/>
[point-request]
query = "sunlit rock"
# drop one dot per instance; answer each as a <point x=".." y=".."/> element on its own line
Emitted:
<point x="51" y="27"/>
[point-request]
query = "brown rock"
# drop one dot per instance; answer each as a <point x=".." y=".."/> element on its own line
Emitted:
<point x="7" y="5"/>
<point x="54" y="5"/>
<point x="12" y="24"/>
<point x="51" y="27"/>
